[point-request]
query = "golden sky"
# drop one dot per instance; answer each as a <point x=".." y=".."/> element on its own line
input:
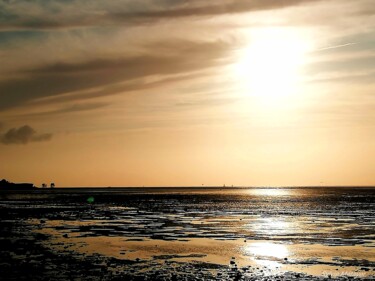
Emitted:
<point x="178" y="93"/>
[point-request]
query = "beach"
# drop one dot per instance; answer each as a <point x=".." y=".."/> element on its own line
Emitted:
<point x="295" y="233"/>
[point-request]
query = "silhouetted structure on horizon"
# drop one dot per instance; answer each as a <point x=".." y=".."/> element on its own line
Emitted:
<point x="6" y="185"/>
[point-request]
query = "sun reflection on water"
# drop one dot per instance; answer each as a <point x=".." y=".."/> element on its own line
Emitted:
<point x="267" y="249"/>
<point x="274" y="226"/>
<point x="266" y="253"/>
<point x="270" y="191"/>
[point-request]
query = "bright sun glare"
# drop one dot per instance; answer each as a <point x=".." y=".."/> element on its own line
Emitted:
<point x="269" y="67"/>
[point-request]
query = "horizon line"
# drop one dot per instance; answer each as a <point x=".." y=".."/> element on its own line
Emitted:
<point x="215" y="186"/>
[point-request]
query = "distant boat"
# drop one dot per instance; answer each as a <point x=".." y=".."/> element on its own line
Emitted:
<point x="6" y="185"/>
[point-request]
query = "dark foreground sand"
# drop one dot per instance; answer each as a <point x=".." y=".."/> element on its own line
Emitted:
<point x="24" y="258"/>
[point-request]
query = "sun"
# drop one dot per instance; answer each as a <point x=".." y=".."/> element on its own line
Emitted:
<point x="270" y="65"/>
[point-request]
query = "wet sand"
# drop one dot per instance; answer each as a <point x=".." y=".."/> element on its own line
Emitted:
<point x="188" y="234"/>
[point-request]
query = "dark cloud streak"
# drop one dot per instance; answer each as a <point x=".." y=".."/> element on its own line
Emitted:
<point x="104" y="16"/>
<point x="61" y="78"/>
<point x="231" y="7"/>
<point x="117" y="89"/>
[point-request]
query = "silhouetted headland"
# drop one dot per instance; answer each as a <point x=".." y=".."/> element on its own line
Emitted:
<point x="6" y="185"/>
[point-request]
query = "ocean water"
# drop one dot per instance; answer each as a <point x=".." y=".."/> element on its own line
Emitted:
<point x="209" y="232"/>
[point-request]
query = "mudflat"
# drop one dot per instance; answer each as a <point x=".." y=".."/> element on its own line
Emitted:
<point x="325" y="233"/>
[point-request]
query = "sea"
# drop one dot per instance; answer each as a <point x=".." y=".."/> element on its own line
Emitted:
<point x="188" y="233"/>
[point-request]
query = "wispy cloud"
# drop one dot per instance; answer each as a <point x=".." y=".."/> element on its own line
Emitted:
<point x="67" y="109"/>
<point x="348" y="69"/>
<point x="23" y="135"/>
<point x="336" y="46"/>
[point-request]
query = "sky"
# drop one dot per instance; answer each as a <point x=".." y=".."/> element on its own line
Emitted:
<point x="187" y="92"/>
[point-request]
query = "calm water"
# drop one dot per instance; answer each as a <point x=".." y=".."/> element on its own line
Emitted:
<point x="319" y="231"/>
